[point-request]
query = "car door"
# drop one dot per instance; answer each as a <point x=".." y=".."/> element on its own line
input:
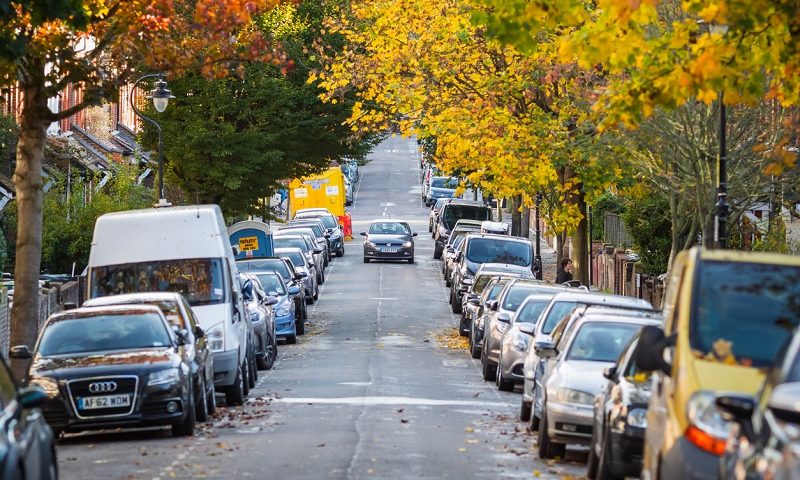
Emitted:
<point x="22" y="432"/>
<point x="203" y="357"/>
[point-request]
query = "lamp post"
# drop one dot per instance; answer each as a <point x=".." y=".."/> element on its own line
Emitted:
<point x="537" y="259"/>
<point x="160" y="95"/>
<point x="721" y="230"/>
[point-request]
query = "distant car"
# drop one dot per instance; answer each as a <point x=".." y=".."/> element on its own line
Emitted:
<point x="449" y="258"/>
<point x="110" y="367"/>
<point x="259" y="304"/>
<point x="589" y="346"/>
<point x="27" y="443"/>
<point x="332" y="227"/>
<point x="441" y="187"/>
<point x="348" y="192"/>
<point x="179" y="314"/>
<point x="314" y="252"/>
<point x="305" y="267"/>
<point x="285" y="268"/>
<point x="619" y="419"/>
<point x="286" y="325"/>
<point x="435" y="209"/>
<point x="452" y="212"/>
<point x="485" y="273"/>
<point x="479" y="308"/>
<point x="389" y="240"/>
<point x="320" y="232"/>
<point x="764" y="441"/>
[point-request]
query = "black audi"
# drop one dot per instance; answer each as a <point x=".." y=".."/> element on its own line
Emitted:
<point x="115" y="366"/>
<point x="389" y="240"/>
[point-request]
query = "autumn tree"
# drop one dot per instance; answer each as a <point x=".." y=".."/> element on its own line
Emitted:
<point x="95" y="46"/>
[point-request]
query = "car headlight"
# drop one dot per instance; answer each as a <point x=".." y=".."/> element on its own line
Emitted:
<point x="216" y="338"/>
<point x="284" y="309"/>
<point x="521" y="345"/>
<point x="161" y="377"/>
<point x="370" y="244"/>
<point x="407" y="244"/>
<point x="501" y="327"/>
<point x="707" y="429"/>
<point x="637" y="417"/>
<point x="568" y="395"/>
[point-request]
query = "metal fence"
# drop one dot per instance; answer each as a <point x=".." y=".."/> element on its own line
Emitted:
<point x="615" y="232"/>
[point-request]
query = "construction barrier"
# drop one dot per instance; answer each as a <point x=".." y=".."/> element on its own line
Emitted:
<point x="347" y="226"/>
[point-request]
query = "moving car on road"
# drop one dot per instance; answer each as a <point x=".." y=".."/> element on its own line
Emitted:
<point x="115" y="366"/>
<point x="389" y="240"/>
<point x="452" y="212"/>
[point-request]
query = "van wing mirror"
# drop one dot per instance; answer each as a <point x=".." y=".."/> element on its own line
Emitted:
<point x="650" y="350"/>
<point x="20" y="352"/>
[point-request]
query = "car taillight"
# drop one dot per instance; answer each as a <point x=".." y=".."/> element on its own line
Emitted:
<point x="704" y="441"/>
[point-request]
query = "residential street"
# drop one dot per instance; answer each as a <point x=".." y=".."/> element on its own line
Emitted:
<point x="373" y="391"/>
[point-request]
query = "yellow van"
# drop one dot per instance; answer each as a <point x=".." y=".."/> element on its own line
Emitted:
<point x="726" y="315"/>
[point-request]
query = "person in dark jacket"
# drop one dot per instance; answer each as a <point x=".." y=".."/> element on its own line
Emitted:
<point x="564" y="273"/>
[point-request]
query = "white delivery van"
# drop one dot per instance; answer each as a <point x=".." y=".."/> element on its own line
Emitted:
<point x="184" y="250"/>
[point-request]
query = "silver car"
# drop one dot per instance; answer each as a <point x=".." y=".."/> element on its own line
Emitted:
<point x="515" y="341"/>
<point x="303" y="266"/>
<point x="308" y="244"/>
<point x="485" y="273"/>
<point x="560" y="306"/>
<point x="589" y="346"/>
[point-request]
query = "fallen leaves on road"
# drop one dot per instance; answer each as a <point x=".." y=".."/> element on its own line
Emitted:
<point x="452" y="339"/>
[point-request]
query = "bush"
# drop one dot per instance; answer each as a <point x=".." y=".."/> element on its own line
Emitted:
<point x="647" y="219"/>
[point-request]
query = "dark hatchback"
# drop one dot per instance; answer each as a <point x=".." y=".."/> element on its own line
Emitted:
<point x="285" y="269"/>
<point x="389" y="240"/>
<point x="452" y="212"/>
<point x="116" y="366"/>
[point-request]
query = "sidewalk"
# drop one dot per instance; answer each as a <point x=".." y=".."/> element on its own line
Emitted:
<point x="549" y="258"/>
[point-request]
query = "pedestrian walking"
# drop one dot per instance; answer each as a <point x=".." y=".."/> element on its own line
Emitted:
<point x="564" y="273"/>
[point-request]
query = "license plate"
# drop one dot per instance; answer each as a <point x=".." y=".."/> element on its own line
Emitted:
<point x="390" y="250"/>
<point x="110" y="401"/>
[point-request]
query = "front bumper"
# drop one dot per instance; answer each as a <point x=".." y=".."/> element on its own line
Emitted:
<point x="627" y="448"/>
<point x="570" y="423"/>
<point x="513" y="361"/>
<point x="285" y="326"/>
<point x="260" y="335"/>
<point x="381" y="253"/>
<point x="226" y="364"/>
<point x="688" y="462"/>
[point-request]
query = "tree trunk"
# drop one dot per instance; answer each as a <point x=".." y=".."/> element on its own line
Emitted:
<point x="516" y="216"/>
<point x="580" y="246"/>
<point x="525" y="223"/>
<point x="28" y="185"/>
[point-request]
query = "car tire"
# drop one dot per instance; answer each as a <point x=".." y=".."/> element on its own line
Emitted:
<point x="474" y="349"/>
<point x="604" y="471"/>
<point x="316" y="295"/>
<point x="591" y="461"/>
<point x="269" y="361"/>
<point x="340" y="253"/>
<point x="503" y="384"/>
<point x="320" y="279"/>
<point x="234" y="394"/>
<point x="456" y="304"/>
<point x="430" y="227"/>
<point x="291" y="339"/>
<point x="462" y="328"/>
<point x="245" y="378"/>
<point x="447" y="282"/>
<point x="366" y="260"/>
<point x="525" y="411"/>
<point x="411" y="261"/>
<point x="533" y="425"/>
<point x="252" y="368"/>
<point x="437" y="253"/>
<point x="201" y="409"/>
<point x="300" y="328"/>
<point x="547" y="448"/>
<point x="211" y="400"/>
<point x="487" y="369"/>
<point x="185" y="428"/>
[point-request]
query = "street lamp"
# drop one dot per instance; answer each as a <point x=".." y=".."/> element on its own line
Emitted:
<point x="537" y="259"/>
<point x="160" y="95"/>
<point x="721" y="230"/>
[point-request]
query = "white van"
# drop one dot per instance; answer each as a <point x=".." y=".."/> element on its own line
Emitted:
<point x="184" y="250"/>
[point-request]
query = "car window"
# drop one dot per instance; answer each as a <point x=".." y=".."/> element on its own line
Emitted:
<point x="271" y="283"/>
<point x="173" y="313"/>
<point x="480" y="283"/>
<point x="453" y="213"/>
<point x="297" y="258"/>
<point x="600" y="341"/>
<point x="295" y="242"/>
<point x="443" y="182"/>
<point x="276" y="265"/>
<point x="556" y="313"/>
<point x="103" y="332"/>
<point x="389" y="228"/>
<point x="8" y="388"/>
<point x="530" y="312"/>
<point x="744" y="312"/>
<point x="517" y="294"/>
<point x="492" y="250"/>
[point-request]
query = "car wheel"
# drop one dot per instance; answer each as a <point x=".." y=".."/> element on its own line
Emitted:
<point x="252" y="369"/>
<point x="487" y="369"/>
<point x="245" y="377"/>
<point x="305" y="312"/>
<point x="447" y="282"/>
<point x="273" y="353"/>
<point x="437" y="253"/>
<point x="340" y="253"/>
<point x="548" y="449"/>
<point x="604" y="471"/>
<point x="300" y="328"/>
<point x="234" y="395"/>
<point x="320" y="279"/>
<point x="186" y="427"/>
<point x="430" y="227"/>
<point x="366" y="260"/>
<point x="211" y="400"/>
<point x="462" y="325"/>
<point x="503" y="384"/>
<point x="524" y="411"/>
<point x="411" y="260"/>
<point x="474" y="349"/>
<point x="591" y="461"/>
<point x="316" y="295"/>
<point x="456" y="303"/>
<point x="201" y="409"/>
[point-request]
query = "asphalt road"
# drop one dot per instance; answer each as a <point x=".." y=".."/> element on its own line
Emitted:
<point x="376" y="388"/>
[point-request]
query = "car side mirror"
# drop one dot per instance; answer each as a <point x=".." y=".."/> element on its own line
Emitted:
<point x="273" y="299"/>
<point x="294" y="290"/>
<point x="474" y="301"/>
<point x="545" y="349"/>
<point x="182" y="335"/>
<point x="302" y="275"/>
<point x="199" y="332"/>
<point x="739" y="408"/>
<point x="504" y="317"/>
<point x="450" y="249"/>
<point x="32" y="397"/>
<point x="526" y="328"/>
<point x="363" y="234"/>
<point x="20" y="352"/>
<point x="341" y="227"/>
<point x="610" y="373"/>
<point x="318" y="250"/>
<point x="784" y="405"/>
<point x="650" y="350"/>
<point x="458" y="257"/>
<point x="414" y="234"/>
<point x="492" y="305"/>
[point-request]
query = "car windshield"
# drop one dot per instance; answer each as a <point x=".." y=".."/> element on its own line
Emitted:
<point x="444" y="182"/>
<point x="440" y="203"/>
<point x="272" y="265"/>
<point x="200" y="280"/>
<point x="480" y="283"/>
<point x="315" y="227"/>
<point x="297" y="258"/>
<point x="389" y="228"/>
<point x="530" y="312"/>
<point x="601" y="341"/>
<point x="328" y="220"/>
<point x="125" y="331"/>
<point x="495" y="250"/>
<point x="744" y="312"/>
<point x="290" y="242"/>
<point x="271" y="283"/>
<point x="518" y="293"/>
<point x="556" y="313"/>
<point x="453" y="213"/>
<point x="456" y="243"/>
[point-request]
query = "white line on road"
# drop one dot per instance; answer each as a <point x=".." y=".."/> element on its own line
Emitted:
<point x="383" y="298"/>
<point x="373" y="401"/>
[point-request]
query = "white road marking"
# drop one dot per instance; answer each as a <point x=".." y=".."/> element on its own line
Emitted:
<point x="375" y="401"/>
<point x="383" y="298"/>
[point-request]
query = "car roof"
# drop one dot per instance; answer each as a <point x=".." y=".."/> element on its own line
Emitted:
<point x="288" y="250"/>
<point x="464" y="201"/>
<point x="84" y="312"/>
<point x="600" y="298"/>
<point x="537" y="283"/>
<point x="466" y="222"/>
<point x="502" y="267"/>
<point x="133" y="298"/>
<point x="388" y="220"/>
<point x="495" y="236"/>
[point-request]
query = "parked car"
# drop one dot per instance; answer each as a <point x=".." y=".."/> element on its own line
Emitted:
<point x="305" y="268"/>
<point x="319" y="230"/>
<point x="180" y="316"/>
<point x="286" y="326"/>
<point x="313" y="252"/>
<point x="619" y="419"/>
<point x="764" y="444"/>
<point x="500" y="313"/>
<point x="389" y="240"/>
<point x="259" y="305"/>
<point x="349" y="195"/>
<point x="449" y="257"/>
<point x="485" y="273"/>
<point x="481" y="311"/>
<point x="726" y="316"/>
<point x="111" y="367"/>
<point x="461" y="228"/>
<point x="27" y="443"/>
<point x="332" y="227"/>
<point x="451" y="213"/>
<point x="561" y="306"/>
<point x="185" y="250"/>
<point x="440" y="187"/>
<point x="587" y="348"/>
<point x="285" y="268"/>
<point x="480" y="248"/>
<point x="435" y="209"/>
